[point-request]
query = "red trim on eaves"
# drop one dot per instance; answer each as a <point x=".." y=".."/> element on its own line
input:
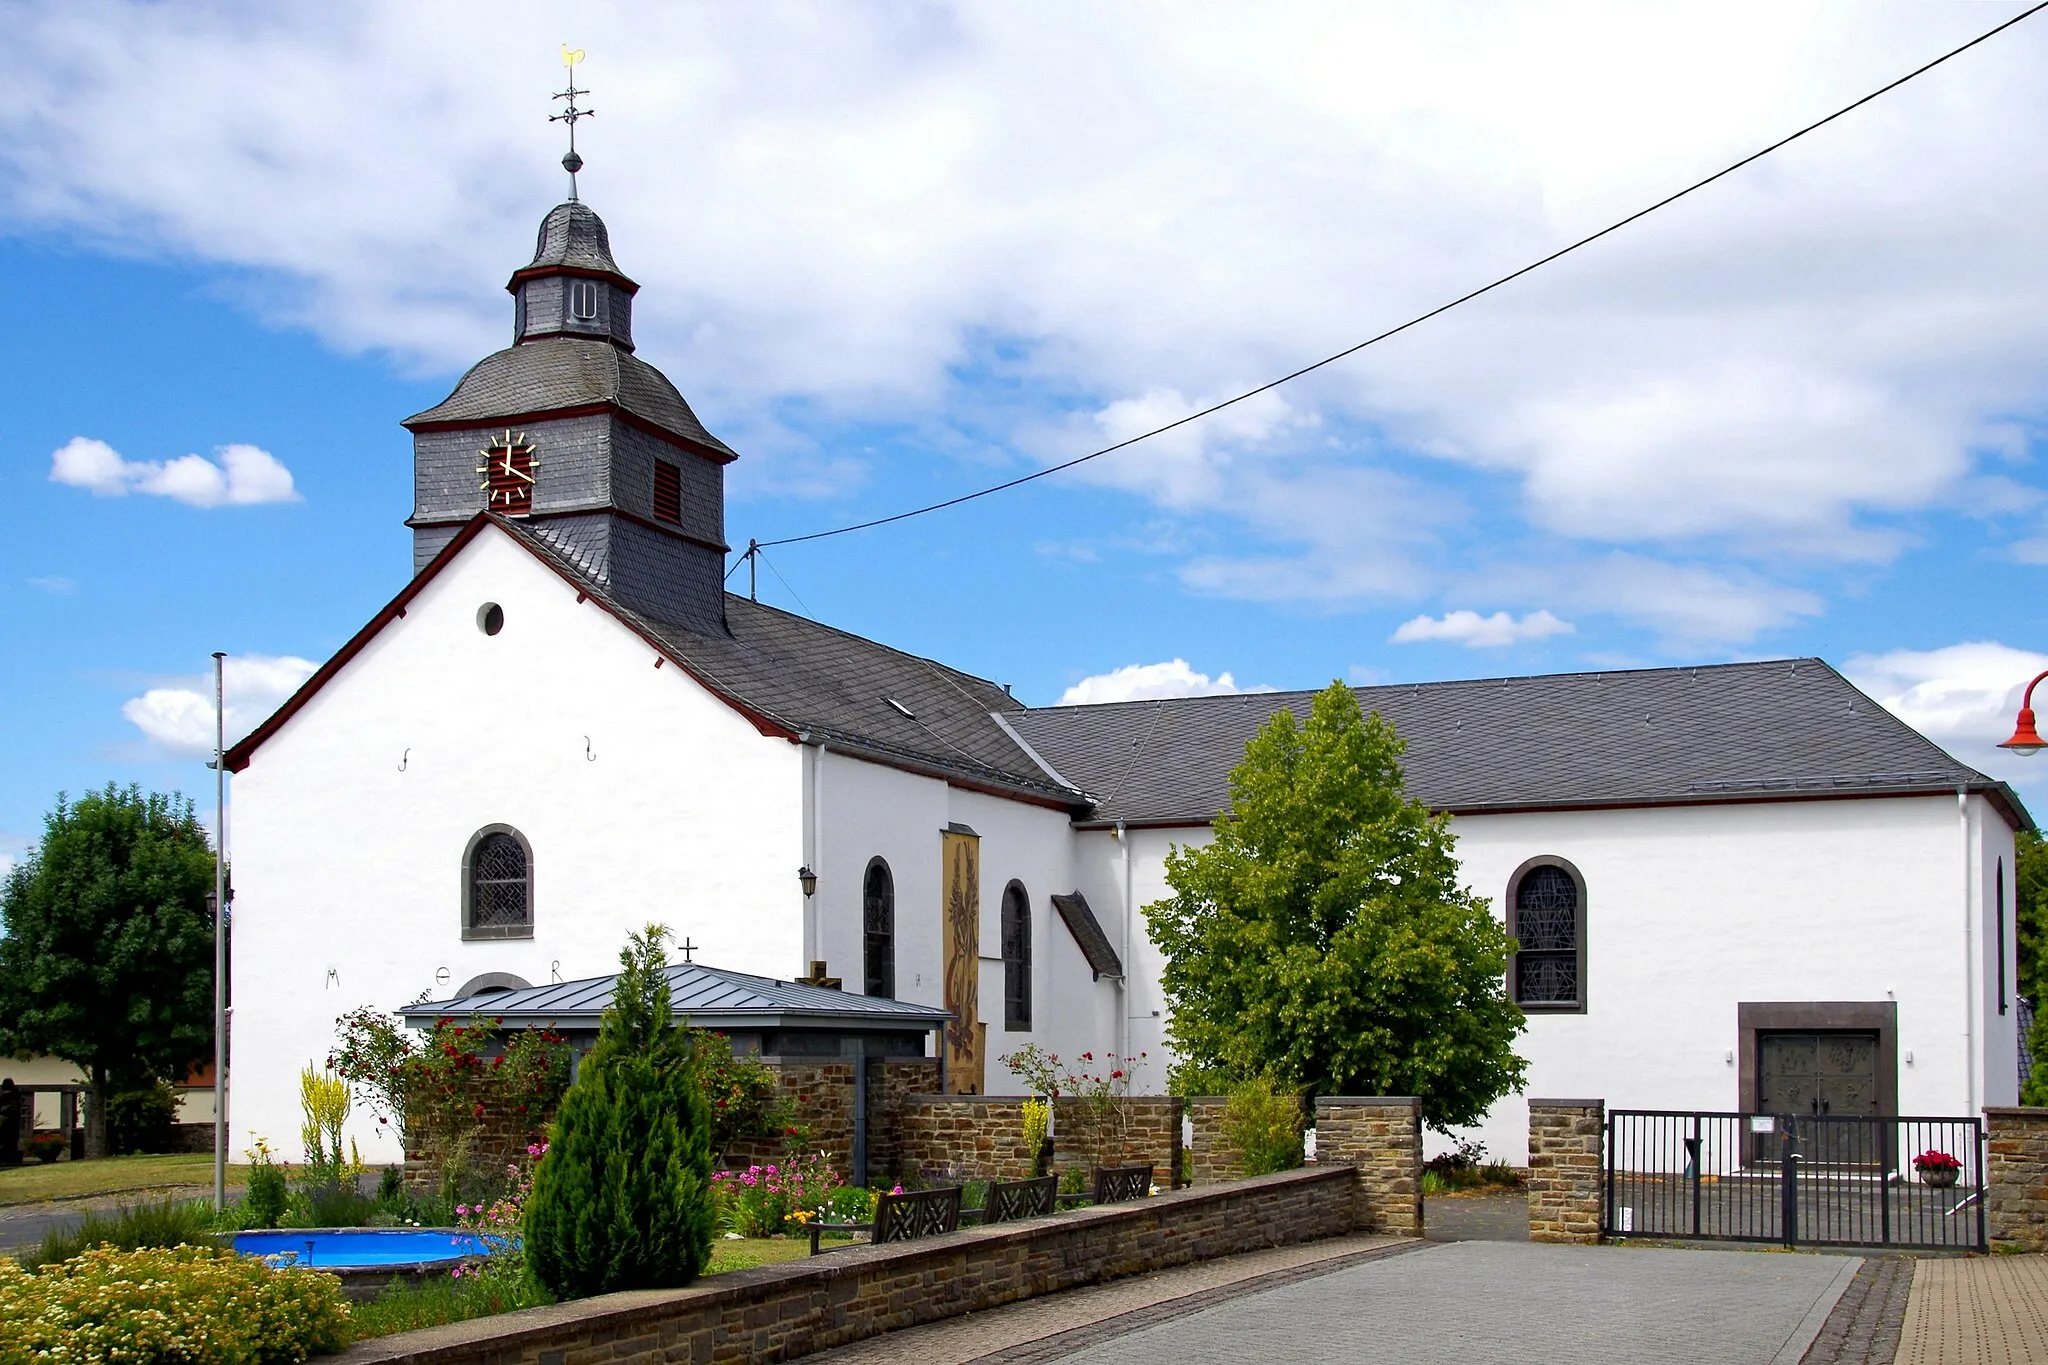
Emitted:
<point x="602" y="405"/>
<point x="1993" y="795"/>
<point x="238" y="755"/>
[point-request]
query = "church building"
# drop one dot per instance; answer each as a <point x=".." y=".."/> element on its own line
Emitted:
<point x="1734" y="887"/>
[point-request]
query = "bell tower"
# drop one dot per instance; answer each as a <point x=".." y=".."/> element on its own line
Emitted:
<point x="569" y="432"/>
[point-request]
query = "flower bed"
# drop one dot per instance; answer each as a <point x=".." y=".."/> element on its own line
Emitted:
<point x="194" y="1305"/>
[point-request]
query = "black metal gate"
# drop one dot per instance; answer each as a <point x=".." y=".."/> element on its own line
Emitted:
<point x="1797" y="1179"/>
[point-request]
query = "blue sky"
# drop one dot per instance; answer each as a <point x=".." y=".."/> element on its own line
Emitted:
<point x="892" y="253"/>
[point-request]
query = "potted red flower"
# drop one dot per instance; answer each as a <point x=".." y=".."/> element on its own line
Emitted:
<point x="1938" y="1170"/>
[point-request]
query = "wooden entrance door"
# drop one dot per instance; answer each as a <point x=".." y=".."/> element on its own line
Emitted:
<point x="1828" y="1076"/>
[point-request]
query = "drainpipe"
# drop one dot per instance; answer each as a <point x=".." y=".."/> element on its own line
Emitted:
<point x="1970" y="963"/>
<point x="1123" y="985"/>
<point x="813" y="837"/>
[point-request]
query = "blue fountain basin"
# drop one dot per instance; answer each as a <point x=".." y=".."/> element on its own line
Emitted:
<point x="344" y="1249"/>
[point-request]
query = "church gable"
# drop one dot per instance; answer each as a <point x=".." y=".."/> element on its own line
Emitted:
<point x="489" y="562"/>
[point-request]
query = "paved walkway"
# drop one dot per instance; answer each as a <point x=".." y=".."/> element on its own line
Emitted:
<point x="1467" y="1303"/>
<point x="1988" y="1310"/>
<point x="1027" y="1330"/>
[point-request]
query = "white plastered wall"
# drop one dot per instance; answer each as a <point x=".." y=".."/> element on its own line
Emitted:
<point x="643" y="797"/>
<point x="868" y="810"/>
<point x="1693" y="910"/>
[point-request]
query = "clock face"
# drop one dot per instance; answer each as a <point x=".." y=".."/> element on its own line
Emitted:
<point x="507" y="469"/>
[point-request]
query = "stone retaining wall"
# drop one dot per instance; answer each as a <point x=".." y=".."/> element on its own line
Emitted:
<point x="981" y="1137"/>
<point x="1209" y="1158"/>
<point x="777" y="1312"/>
<point x="2016" y="1179"/>
<point x="1381" y="1138"/>
<point x="1565" y="1154"/>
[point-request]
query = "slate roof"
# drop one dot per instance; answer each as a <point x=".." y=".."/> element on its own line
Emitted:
<point x="573" y="235"/>
<point x="1786" y="727"/>
<point x="551" y="374"/>
<point x="708" y="997"/>
<point x="811" y="679"/>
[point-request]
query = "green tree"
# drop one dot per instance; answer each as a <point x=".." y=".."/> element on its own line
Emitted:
<point x="622" y="1200"/>
<point x="2030" y="922"/>
<point x="1322" y="939"/>
<point x="107" y="959"/>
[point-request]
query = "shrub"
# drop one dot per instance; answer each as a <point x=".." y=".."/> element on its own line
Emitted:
<point x="623" y="1199"/>
<point x="47" y="1147"/>
<point x="191" y="1305"/>
<point x="263" y="1200"/>
<point x="1262" y="1124"/>
<point x="745" y="1100"/>
<point x="141" y="1118"/>
<point x="130" y="1227"/>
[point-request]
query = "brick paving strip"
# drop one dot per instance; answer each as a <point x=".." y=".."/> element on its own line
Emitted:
<point x="1986" y="1310"/>
<point x="1864" y="1327"/>
<point x="1059" y="1324"/>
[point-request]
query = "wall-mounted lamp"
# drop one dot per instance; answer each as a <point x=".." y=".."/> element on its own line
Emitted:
<point x="1729" y="1058"/>
<point x="807" y="879"/>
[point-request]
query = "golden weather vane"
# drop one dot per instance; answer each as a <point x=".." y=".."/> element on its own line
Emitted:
<point x="572" y="163"/>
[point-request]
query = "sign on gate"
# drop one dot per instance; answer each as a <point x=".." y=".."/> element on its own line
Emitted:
<point x="1797" y="1179"/>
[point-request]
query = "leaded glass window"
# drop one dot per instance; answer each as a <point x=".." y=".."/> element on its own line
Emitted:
<point x="878" y="930"/>
<point x="500" y="886"/>
<point x="1016" y="959"/>
<point x="1547" y="930"/>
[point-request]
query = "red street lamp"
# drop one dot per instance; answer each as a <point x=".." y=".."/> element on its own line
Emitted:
<point x="2025" y="738"/>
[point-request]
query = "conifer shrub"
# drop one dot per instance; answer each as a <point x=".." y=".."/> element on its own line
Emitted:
<point x="623" y="1198"/>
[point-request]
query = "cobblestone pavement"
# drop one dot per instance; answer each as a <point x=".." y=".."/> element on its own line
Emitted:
<point x="1476" y="1303"/>
<point x="1061" y="1323"/>
<point x="1864" y="1327"/>
<point x="1987" y="1310"/>
<point x="1471" y="1303"/>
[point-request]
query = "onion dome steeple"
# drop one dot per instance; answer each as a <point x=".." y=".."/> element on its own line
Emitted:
<point x="573" y="287"/>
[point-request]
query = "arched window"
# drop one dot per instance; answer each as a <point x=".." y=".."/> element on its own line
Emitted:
<point x="1548" y="971"/>
<point x="1016" y="959"/>
<point x="497" y="885"/>
<point x="878" y="930"/>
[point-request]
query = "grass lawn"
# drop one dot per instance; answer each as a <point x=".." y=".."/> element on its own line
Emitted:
<point x="109" y="1175"/>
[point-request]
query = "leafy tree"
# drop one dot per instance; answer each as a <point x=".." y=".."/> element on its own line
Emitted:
<point x="1322" y="939"/>
<point x="107" y="960"/>
<point x="622" y="1200"/>
<point x="2030" y="892"/>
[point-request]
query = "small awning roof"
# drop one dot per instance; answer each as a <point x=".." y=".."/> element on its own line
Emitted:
<point x="704" y="997"/>
<point x="1087" y="931"/>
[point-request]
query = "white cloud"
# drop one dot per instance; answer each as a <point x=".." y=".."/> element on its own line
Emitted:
<point x="1148" y="682"/>
<point x="246" y="475"/>
<point x="178" y="715"/>
<point x="1964" y="697"/>
<point x="13" y="848"/>
<point x="844" y="210"/>
<point x="1470" y="629"/>
<point x="55" y="586"/>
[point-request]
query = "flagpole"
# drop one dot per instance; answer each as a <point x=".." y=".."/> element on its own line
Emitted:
<point x="220" y="943"/>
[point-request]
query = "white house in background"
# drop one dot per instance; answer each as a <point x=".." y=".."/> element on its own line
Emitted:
<point x="563" y="728"/>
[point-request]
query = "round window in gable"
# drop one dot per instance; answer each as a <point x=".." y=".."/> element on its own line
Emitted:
<point x="490" y="618"/>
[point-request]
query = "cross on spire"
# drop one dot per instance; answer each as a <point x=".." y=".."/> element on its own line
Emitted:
<point x="571" y="163"/>
<point x="687" y="947"/>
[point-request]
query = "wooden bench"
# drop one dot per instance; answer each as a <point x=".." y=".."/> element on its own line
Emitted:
<point x="1116" y="1184"/>
<point x="1009" y="1200"/>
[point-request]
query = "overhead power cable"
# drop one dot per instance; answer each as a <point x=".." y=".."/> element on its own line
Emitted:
<point x="1421" y="318"/>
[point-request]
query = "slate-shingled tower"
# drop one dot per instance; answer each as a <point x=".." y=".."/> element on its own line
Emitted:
<point x="624" y="478"/>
